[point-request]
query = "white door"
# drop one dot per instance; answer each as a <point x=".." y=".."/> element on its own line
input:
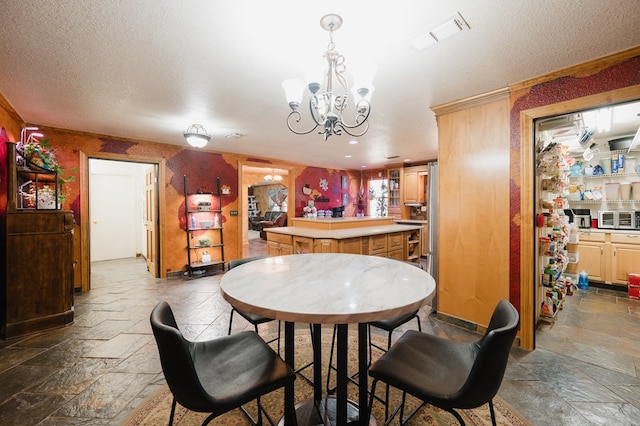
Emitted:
<point x="112" y="217"/>
<point x="150" y="220"/>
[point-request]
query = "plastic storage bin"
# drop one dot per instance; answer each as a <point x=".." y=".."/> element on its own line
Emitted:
<point x="634" y="285"/>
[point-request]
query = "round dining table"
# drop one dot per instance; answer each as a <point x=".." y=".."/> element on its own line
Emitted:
<point x="328" y="288"/>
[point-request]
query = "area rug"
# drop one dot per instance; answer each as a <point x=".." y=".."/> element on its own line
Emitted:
<point x="156" y="408"/>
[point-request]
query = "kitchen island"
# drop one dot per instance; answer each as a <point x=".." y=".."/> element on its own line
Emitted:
<point x="355" y="235"/>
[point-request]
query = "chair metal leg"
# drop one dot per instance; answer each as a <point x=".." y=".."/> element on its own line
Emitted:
<point x="372" y="393"/>
<point x="230" y="321"/>
<point x="493" y="414"/>
<point x="312" y="363"/>
<point x="173" y="411"/>
<point x="457" y="416"/>
<point x="333" y="342"/>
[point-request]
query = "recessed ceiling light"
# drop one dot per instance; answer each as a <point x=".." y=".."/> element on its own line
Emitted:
<point x="347" y="156"/>
<point x="363" y="166"/>
<point x="353" y="142"/>
<point x="406" y="160"/>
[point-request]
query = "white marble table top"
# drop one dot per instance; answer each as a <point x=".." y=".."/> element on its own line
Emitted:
<point x="328" y="288"/>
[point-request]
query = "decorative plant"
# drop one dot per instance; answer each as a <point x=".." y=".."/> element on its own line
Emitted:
<point x="40" y="155"/>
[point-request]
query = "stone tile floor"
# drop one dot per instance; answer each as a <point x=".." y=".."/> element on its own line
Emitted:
<point x="96" y="371"/>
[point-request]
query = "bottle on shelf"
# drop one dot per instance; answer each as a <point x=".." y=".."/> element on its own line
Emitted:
<point x="549" y="274"/>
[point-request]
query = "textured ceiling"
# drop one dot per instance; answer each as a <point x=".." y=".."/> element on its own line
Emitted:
<point x="147" y="69"/>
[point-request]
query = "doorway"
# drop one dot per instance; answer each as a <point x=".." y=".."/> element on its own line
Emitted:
<point x="249" y="174"/>
<point x="116" y="210"/>
<point x="107" y="183"/>
<point x="581" y="157"/>
<point x="528" y="302"/>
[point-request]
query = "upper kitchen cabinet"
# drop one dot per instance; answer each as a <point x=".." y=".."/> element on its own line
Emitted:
<point x="414" y="182"/>
<point x="395" y="202"/>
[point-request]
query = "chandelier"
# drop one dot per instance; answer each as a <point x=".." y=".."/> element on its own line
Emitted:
<point x="196" y="135"/>
<point x="329" y="101"/>
<point x="273" y="178"/>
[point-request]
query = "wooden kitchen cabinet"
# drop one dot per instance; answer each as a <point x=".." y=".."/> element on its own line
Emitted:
<point x="350" y="245"/>
<point x="424" y="251"/>
<point x="410" y="184"/>
<point x="302" y="244"/>
<point x="314" y="245"/>
<point x="279" y="245"/>
<point x="395" y="199"/>
<point x="609" y="257"/>
<point x="593" y="260"/>
<point x="397" y="243"/>
<point x="414" y="182"/>
<point x="593" y="254"/>
<point x="625" y="251"/>
<point x="325" y="245"/>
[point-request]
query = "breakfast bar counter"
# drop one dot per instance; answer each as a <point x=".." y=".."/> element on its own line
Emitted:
<point x="368" y="236"/>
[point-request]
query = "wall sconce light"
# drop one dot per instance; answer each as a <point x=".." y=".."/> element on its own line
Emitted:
<point x="196" y="135"/>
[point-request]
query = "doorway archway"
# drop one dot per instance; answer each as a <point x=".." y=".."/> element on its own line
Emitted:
<point x="527" y="166"/>
<point x="85" y="226"/>
<point x="250" y="173"/>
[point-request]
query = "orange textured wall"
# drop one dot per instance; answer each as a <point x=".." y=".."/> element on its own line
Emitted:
<point x="201" y="168"/>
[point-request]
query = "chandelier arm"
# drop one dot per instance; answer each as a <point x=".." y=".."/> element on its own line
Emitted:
<point x="297" y="116"/>
<point x="361" y="118"/>
<point x="339" y="69"/>
<point x="346" y="129"/>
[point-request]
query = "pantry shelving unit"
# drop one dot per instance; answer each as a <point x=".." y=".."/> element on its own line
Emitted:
<point x="203" y="227"/>
<point x="557" y="239"/>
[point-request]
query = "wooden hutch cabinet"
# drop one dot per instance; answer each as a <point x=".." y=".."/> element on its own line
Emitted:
<point x="37" y="285"/>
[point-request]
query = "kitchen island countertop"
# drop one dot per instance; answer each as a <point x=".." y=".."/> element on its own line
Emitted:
<point x="340" y="234"/>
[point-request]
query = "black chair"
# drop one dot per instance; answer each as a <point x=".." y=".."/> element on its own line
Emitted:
<point x="258" y="319"/>
<point x="255" y="320"/>
<point x="389" y="325"/>
<point x="217" y="376"/>
<point x="448" y="374"/>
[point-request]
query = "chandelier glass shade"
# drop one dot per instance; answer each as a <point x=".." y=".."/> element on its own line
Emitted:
<point x="274" y="178"/>
<point x="196" y="135"/>
<point x="329" y="101"/>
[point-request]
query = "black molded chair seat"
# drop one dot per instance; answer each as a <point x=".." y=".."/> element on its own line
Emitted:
<point x="389" y="325"/>
<point x="446" y="373"/>
<point x="216" y="376"/>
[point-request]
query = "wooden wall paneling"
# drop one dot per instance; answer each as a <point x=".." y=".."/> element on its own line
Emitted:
<point x="473" y="208"/>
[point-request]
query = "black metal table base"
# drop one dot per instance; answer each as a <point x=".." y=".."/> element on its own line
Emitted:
<point x="310" y="413"/>
<point x="341" y="406"/>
